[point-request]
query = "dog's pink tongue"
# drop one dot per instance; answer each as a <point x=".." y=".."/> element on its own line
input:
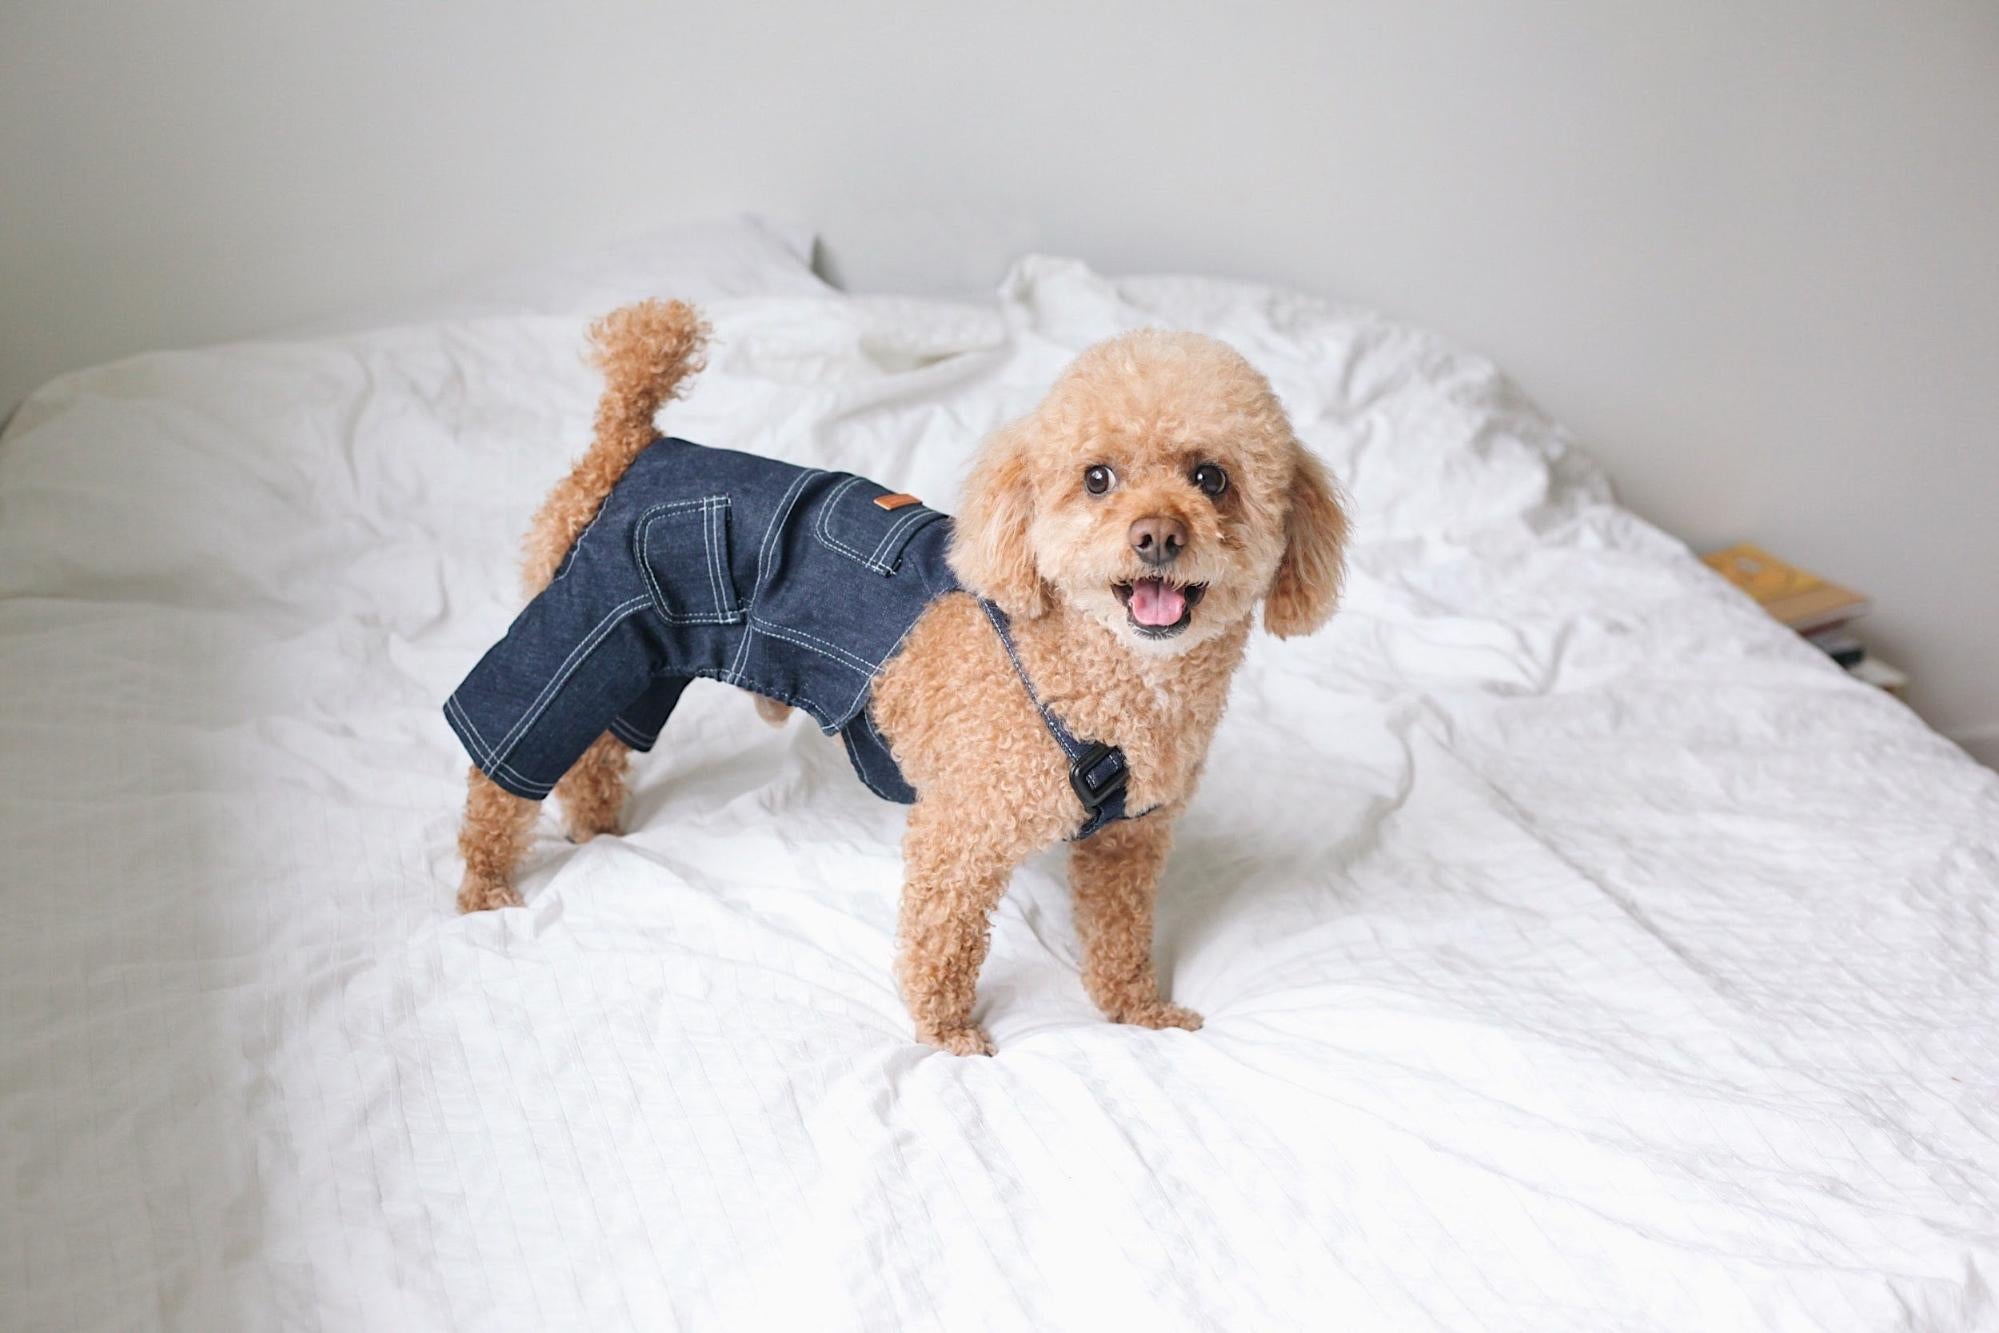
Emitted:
<point x="1156" y="602"/>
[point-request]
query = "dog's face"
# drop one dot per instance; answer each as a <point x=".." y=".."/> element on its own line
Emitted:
<point x="1159" y="490"/>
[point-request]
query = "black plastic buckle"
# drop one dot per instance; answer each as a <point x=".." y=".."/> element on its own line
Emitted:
<point x="1094" y="792"/>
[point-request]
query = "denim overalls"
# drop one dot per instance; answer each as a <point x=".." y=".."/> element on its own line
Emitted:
<point x="795" y="583"/>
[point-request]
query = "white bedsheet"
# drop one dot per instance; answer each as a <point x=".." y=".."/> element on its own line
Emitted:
<point x="1579" y="951"/>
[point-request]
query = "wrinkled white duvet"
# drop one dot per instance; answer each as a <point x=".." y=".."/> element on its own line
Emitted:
<point x="1579" y="950"/>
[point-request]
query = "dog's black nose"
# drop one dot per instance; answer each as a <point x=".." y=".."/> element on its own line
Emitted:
<point x="1158" y="539"/>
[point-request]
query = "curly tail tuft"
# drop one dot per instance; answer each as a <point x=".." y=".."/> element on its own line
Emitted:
<point x="646" y="351"/>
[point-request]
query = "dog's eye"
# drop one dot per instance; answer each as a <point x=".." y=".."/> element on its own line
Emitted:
<point x="1211" y="479"/>
<point x="1097" y="479"/>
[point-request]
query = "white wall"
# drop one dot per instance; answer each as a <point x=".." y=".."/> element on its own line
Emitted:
<point x="1750" y="251"/>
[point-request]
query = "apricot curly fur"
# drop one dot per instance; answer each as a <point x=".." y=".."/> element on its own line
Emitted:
<point x="646" y="351"/>
<point x="592" y="792"/>
<point x="1308" y="581"/>
<point x="992" y="784"/>
<point x="1115" y="876"/>
<point x="492" y="839"/>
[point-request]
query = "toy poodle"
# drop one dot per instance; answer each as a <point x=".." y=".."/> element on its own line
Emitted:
<point x="1048" y="666"/>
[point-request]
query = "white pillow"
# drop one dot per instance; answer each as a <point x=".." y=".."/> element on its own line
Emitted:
<point x="711" y="259"/>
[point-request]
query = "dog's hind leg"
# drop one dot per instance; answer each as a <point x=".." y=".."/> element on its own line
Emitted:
<point x="493" y="839"/>
<point x="592" y="792"/>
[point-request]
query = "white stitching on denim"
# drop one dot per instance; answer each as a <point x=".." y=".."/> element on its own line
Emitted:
<point x="878" y="560"/>
<point x="499" y="754"/>
<point x="801" y="699"/>
<point x="482" y="754"/>
<point x="700" y="618"/>
<point x="783" y="511"/>
<point x="853" y="761"/>
<point x="631" y="735"/>
<point x="818" y="645"/>
<point x="881" y="560"/>
<point x="873" y="672"/>
<point x="727" y="677"/>
<point x="642" y="530"/>
<point x="708" y="504"/>
<point x="868" y="721"/>
<point x="778" y="516"/>
<point x="522" y="780"/>
<point x="452" y="705"/>
<point x="717" y="537"/>
<point x="577" y="656"/>
<point x="854" y="704"/>
<point x="875" y="559"/>
<point x="735" y="667"/>
<point x="859" y="701"/>
<point x="708" y="552"/>
<point x="826" y="509"/>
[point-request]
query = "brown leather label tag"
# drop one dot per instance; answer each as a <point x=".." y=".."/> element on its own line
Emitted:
<point x="896" y="501"/>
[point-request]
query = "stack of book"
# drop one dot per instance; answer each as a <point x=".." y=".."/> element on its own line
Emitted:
<point x="1817" y="608"/>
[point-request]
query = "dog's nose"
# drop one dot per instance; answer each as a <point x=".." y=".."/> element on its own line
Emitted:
<point x="1158" y="539"/>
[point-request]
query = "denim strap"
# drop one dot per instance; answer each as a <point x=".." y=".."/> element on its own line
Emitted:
<point x="1097" y="772"/>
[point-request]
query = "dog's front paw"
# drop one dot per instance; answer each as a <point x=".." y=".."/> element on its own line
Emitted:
<point x="967" y="1040"/>
<point x="479" y="894"/>
<point x="1160" y="1014"/>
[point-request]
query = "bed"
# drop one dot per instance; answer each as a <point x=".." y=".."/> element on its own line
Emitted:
<point x="1579" y="949"/>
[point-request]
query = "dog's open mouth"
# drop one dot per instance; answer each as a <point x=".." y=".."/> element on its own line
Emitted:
<point x="1159" y="609"/>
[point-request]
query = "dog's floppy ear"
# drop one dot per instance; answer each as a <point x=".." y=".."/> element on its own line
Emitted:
<point x="989" y="549"/>
<point x="1307" y="586"/>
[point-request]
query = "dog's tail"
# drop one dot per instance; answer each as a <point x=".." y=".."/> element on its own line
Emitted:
<point x="646" y="351"/>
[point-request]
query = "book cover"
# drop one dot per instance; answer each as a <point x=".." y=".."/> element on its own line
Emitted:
<point x="1797" y="597"/>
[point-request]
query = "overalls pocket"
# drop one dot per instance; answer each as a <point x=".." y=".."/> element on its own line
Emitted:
<point x="851" y="522"/>
<point x="683" y="550"/>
